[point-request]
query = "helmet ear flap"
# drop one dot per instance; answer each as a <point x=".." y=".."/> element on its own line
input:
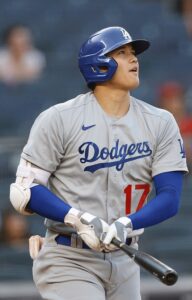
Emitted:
<point x="102" y="69"/>
<point x="93" y="69"/>
<point x="98" y="69"/>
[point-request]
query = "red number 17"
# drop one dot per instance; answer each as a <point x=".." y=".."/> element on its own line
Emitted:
<point x="128" y="191"/>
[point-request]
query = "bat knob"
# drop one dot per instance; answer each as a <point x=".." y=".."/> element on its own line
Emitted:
<point x="170" y="277"/>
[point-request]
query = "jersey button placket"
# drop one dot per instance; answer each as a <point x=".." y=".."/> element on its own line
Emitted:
<point x="115" y="138"/>
<point x="112" y="182"/>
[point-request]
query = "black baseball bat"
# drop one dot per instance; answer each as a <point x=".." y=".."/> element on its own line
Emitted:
<point x="154" y="266"/>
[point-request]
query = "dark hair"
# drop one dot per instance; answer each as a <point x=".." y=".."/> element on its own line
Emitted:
<point x="92" y="86"/>
<point x="178" y="6"/>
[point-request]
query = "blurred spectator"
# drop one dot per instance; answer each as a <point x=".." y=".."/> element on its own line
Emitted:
<point x="14" y="230"/>
<point x="172" y="98"/>
<point x="20" y="61"/>
<point x="184" y="8"/>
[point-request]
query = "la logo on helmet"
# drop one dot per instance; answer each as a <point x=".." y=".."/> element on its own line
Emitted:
<point x="125" y="34"/>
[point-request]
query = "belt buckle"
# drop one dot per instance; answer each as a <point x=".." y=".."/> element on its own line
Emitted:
<point x="74" y="240"/>
<point x="79" y="242"/>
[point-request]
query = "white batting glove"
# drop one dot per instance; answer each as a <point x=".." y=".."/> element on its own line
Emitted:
<point x="134" y="236"/>
<point x="89" y="227"/>
<point x="120" y="229"/>
<point x="35" y="244"/>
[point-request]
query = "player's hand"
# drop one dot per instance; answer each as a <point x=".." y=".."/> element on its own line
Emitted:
<point x="89" y="227"/>
<point x="133" y="236"/>
<point x="121" y="229"/>
<point x="35" y="244"/>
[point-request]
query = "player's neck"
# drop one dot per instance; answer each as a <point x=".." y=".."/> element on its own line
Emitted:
<point x="114" y="102"/>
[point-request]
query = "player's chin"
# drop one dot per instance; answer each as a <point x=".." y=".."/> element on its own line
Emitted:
<point x="133" y="84"/>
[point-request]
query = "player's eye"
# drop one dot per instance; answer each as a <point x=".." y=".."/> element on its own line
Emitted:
<point x="121" y="51"/>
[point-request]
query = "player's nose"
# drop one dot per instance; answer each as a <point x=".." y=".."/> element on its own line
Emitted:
<point x="133" y="59"/>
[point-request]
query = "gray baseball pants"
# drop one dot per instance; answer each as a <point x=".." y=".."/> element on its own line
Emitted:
<point x="67" y="273"/>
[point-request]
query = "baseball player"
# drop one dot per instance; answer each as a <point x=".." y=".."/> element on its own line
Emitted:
<point x="88" y="168"/>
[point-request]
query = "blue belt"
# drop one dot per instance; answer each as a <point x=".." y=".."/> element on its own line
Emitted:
<point x="72" y="240"/>
<point x="75" y="241"/>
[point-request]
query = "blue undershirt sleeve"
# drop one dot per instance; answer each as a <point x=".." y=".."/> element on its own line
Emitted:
<point x="46" y="204"/>
<point x="164" y="205"/>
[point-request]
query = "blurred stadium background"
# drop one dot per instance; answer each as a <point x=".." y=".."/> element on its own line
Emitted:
<point x="58" y="28"/>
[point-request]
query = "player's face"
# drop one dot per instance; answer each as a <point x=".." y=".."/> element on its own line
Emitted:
<point x="127" y="74"/>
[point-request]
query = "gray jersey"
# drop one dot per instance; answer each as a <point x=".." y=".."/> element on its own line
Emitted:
<point x="100" y="164"/>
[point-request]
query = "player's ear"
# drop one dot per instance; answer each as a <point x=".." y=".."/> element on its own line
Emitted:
<point x="103" y="69"/>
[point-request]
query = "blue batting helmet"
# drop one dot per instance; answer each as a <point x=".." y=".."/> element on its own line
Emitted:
<point x="92" y="55"/>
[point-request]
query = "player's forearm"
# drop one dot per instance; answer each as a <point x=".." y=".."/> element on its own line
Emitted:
<point x="157" y="210"/>
<point x="46" y="204"/>
<point x="164" y="205"/>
